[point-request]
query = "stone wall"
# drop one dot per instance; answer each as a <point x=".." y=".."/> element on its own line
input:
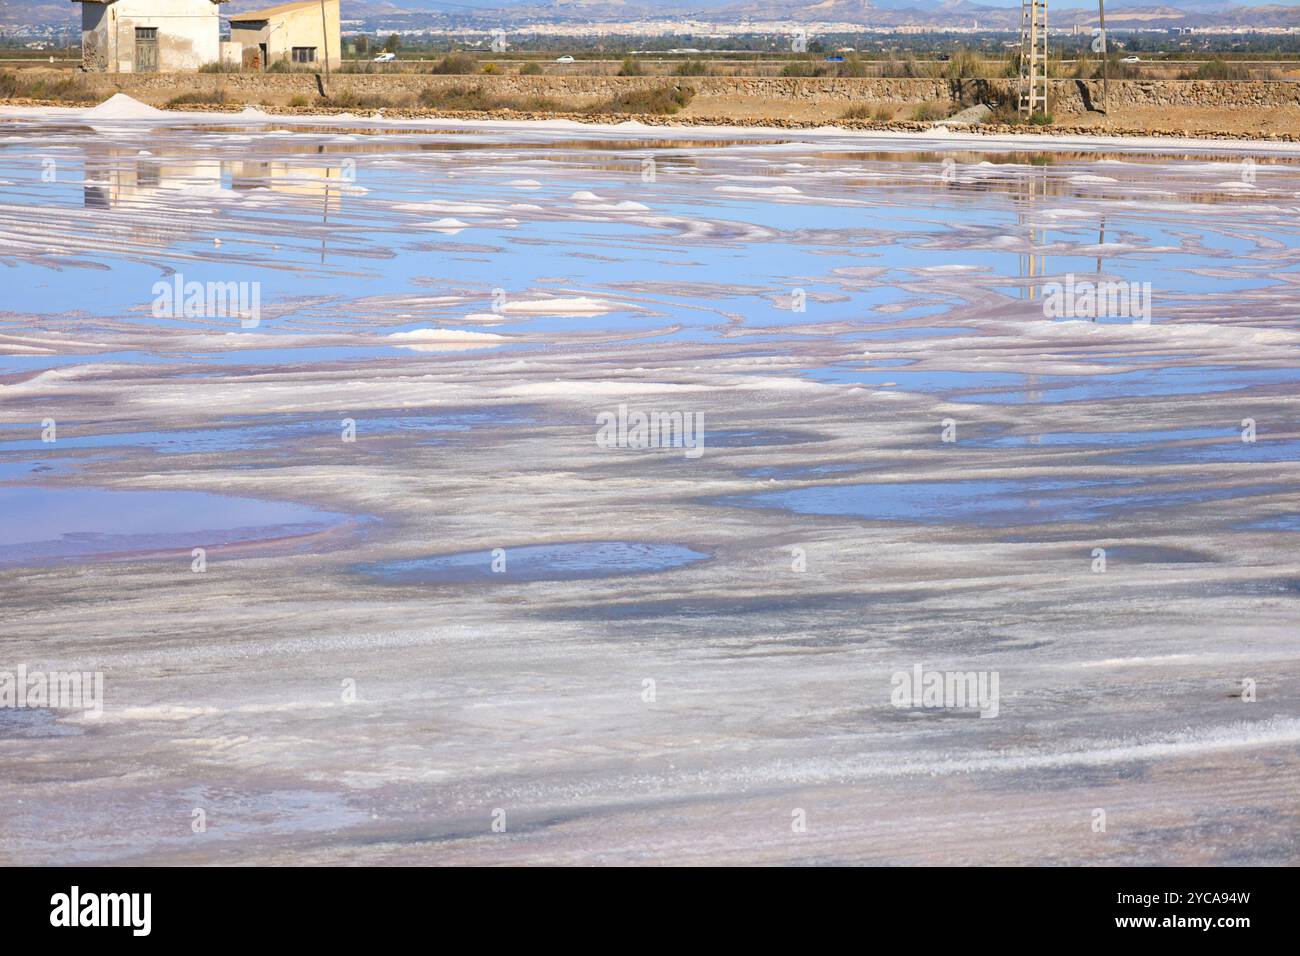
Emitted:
<point x="1069" y="97"/>
<point x="577" y="88"/>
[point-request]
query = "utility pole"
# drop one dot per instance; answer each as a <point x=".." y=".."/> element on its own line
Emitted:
<point x="325" y="37"/>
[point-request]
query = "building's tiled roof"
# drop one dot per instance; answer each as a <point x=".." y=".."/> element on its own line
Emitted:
<point x="268" y="12"/>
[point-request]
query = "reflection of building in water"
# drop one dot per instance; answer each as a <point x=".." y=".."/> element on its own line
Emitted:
<point x="115" y="177"/>
<point x="321" y="183"/>
<point x="321" y="186"/>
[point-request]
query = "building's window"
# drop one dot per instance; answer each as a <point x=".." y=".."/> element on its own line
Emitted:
<point x="304" y="54"/>
<point x="146" y="33"/>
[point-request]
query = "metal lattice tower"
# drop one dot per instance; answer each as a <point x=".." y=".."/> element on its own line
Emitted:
<point x="1033" y="56"/>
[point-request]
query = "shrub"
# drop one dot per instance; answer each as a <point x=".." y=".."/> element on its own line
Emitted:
<point x="1006" y="114"/>
<point x="631" y="66"/>
<point x="475" y="98"/>
<point x="852" y="66"/>
<point x="351" y="100"/>
<point x="928" y="112"/>
<point x="966" y="64"/>
<point x="876" y="114"/>
<point x="298" y="101"/>
<point x="1219" y="70"/>
<point x="530" y="69"/>
<point x="803" y="68"/>
<point x="914" y="70"/>
<point x="198" y="96"/>
<point x="455" y="64"/>
<point x="693" y="68"/>
<point x="659" y="100"/>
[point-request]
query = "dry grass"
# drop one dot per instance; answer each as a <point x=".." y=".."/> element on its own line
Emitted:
<point x="661" y="100"/>
<point x="475" y="98"/>
<point x="350" y="100"/>
<point x="1218" y="70"/>
<point x="202" y="97"/>
<point x="929" y="112"/>
<point x="64" y="89"/>
<point x="876" y="114"/>
<point x="966" y="64"/>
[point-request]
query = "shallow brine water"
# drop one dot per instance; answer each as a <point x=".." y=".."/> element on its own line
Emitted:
<point x="980" y="406"/>
<point x="64" y="524"/>
<point x="538" y="562"/>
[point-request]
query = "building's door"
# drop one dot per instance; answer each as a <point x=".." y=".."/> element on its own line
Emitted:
<point x="146" y="49"/>
<point x="261" y="47"/>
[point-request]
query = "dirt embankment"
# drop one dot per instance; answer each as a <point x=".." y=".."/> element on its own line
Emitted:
<point x="1260" y="109"/>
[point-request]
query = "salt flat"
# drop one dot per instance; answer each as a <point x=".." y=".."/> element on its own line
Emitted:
<point x="430" y="600"/>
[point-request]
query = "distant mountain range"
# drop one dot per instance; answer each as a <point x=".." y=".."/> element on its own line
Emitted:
<point x="934" y="14"/>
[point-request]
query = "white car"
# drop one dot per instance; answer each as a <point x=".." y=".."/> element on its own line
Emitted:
<point x="1130" y="59"/>
<point x="564" y="59"/>
<point x="386" y="58"/>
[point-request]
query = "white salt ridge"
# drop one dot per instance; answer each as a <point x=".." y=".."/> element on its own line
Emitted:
<point x="760" y="190"/>
<point x="1067" y="213"/>
<point x="579" y="305"/>
<point x="449" y="226"/>
<point x="1275" y="732"/>
<point x="446" y="340"/>
<point x="626" y="205"/>
<point x="951" y="269"/>
<point x="451" y="208"/>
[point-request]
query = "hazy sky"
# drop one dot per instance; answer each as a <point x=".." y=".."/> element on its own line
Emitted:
<point x="1202" y="5"/>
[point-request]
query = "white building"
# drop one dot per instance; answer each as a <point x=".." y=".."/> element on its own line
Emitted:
<point x="149" y="36"/>
<point x="301" y="34"/>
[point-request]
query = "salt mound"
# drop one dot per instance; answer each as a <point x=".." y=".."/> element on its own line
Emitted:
<point x="446" y="340"/>
<point x="121" y="106"/>
<point x="578" y="305"/>
<point x="449" y="226"/>
<point x="446" y="335"/>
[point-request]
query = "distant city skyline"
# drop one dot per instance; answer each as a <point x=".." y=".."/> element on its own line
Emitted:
<point x="715" y="6"/>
